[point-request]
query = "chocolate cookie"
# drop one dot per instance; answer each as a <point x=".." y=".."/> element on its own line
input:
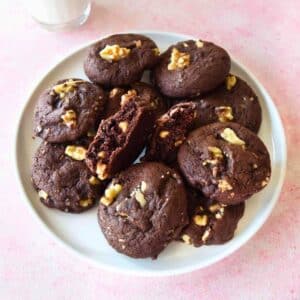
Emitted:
<point x="68" y="110"/>
<point x="170" y="132"/>
<point x="62" y="179"/>
<point x="232" y="101"/>
<point x="226" y="161"/>
<point x="120" y="139"/>
<point x="120" y="59"/>
<point x="210" y="223"/>
<point x="138" y="91"/>
<point x="143" y="209"/>
<point x="191" y="68"/>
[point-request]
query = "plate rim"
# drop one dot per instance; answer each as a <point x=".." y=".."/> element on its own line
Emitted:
<point x="146" y="272"/>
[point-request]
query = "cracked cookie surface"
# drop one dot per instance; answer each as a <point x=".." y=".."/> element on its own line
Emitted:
<point x="143" y="209"/>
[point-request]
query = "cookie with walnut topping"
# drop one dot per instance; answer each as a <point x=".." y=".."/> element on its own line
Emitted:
<point x="120" y="59"/>
<point x="68" y="110"/>
<point x="62" y="179"/>
<point x="139" y="91"/>
<point x="232" y="101"/>
<point x="143" y="209"/>
<point x="210" y="223"/>
<point x="226" y="161"/>
<point x="191" y="68"/>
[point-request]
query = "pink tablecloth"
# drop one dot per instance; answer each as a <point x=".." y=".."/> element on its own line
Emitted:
<point x="264" y="35"/>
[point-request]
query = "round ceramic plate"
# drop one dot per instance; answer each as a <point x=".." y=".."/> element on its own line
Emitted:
<point x="81" y="233"/>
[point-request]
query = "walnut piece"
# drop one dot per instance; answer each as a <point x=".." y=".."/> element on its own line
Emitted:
<point x="224" y="113"/>
<point x="128" y="96"/>
<point x="143" y="186"/>
<point x="140" y="198"/>
<point x="229" y="136"/>
<point x="85" y="202"/>
<point x="75" y="152"/>
<point x="138" y="43"/>
<point x="113" y="92"/>
<point x="230" y="82"/>
<point x="163" y="134"/>
<point x="216" y="154"/>
<point x="63" y="88"/>
<point x="178" y="143"/>
<point x="200" y="220"/>
<point x="101" y="154"/>
<point x="206" y="235"/>
<point x="111" y="193"/>
<point x="199" y="44"/>
<point x="114" y="53"/>
<point x="214" y="207"/>
<point x="224" y="185"/>
<point x="69" y="118"/>
<point x="265" y="182"/>
<point x="186" y="239"/>
<point x="101" y="171"/>
<point x="178" y="60"/>
<point x="42" y="194"/>
<point x="123" y="126"/>
<point x="94" y="180"/>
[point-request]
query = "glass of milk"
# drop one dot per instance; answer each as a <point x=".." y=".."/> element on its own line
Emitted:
<point x="59" y="14"/>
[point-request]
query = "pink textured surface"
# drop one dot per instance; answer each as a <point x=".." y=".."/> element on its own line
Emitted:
<point x="261" y="34"/>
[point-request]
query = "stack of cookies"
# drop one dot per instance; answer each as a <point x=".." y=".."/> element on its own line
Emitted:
<point x="193" y="128"/>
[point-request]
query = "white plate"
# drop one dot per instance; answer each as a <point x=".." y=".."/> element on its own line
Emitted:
<point x="81" y="233"/>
